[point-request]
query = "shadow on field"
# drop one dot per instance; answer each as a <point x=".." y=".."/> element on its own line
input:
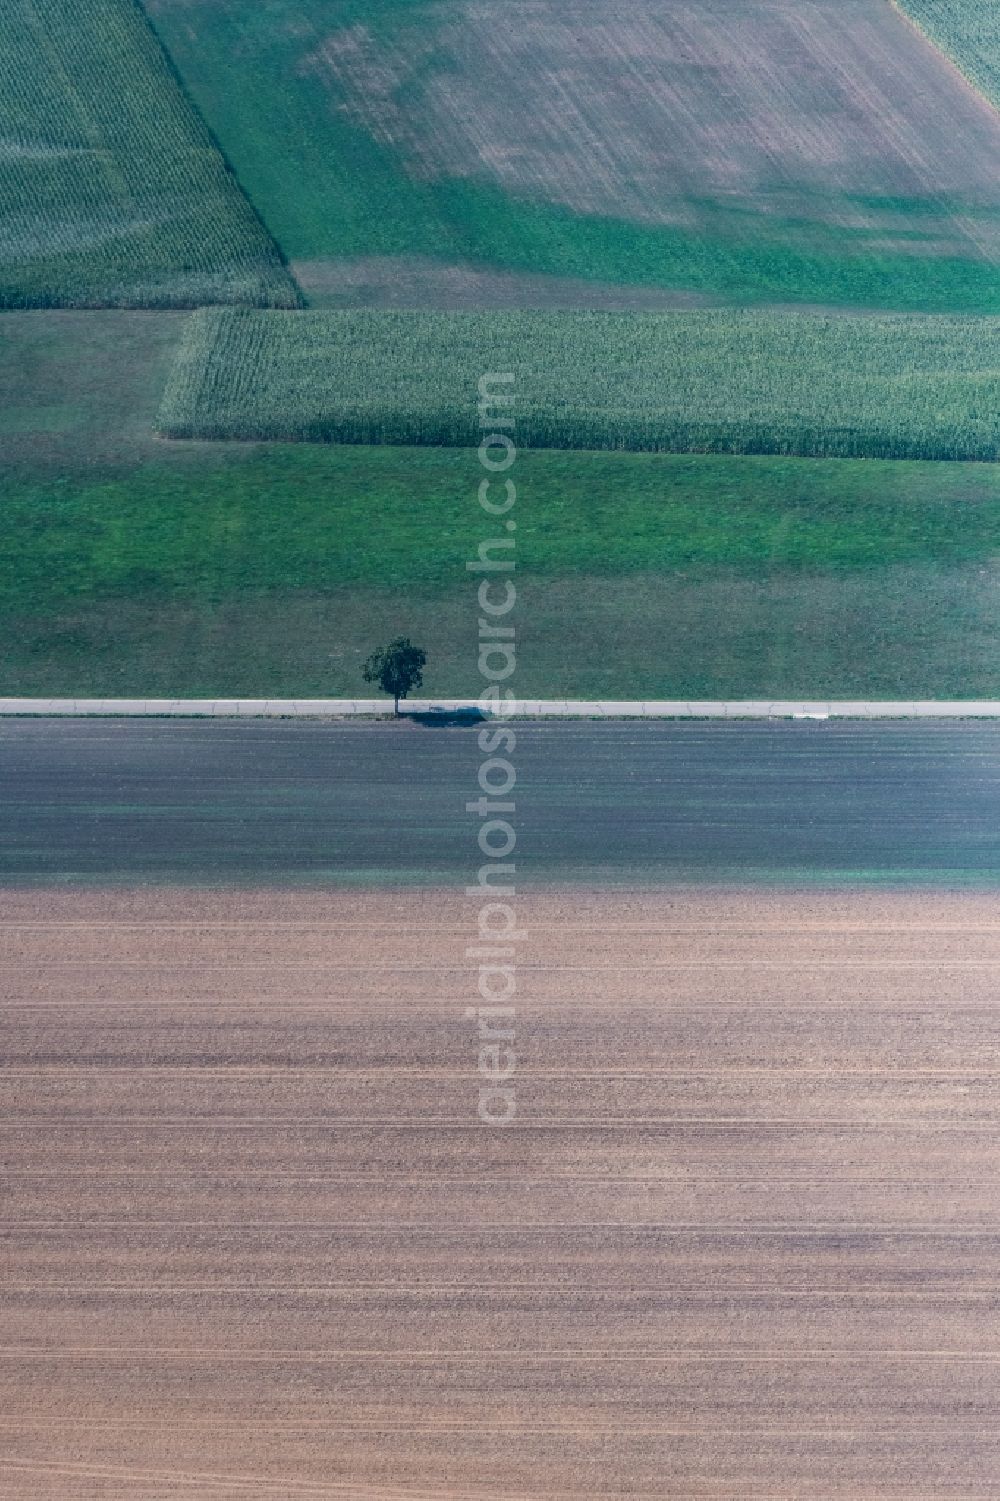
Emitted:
<point x="447" y="718"/>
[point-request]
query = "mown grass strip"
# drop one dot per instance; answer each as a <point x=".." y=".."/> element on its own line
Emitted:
<point x="713" y="381"/>
<point x="114" y="193"/>
<point x="276" y="569"/>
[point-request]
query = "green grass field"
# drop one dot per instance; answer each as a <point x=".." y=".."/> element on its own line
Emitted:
<point x="138" y="565"/>
<point x="113" y="192"/>
<point x="315" y="103"/>
<point x="276" y="570"/>
<point x="133" y="565"/>
<point x="708" y="381"/>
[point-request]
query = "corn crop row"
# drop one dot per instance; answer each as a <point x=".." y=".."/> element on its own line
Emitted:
<point x="113" y="192"/>
<point x="718" y="381"/>
<point x="968" y="31"/>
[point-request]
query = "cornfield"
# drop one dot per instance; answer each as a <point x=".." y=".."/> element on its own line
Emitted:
<point x="968" y="31"/>
<point x="113" y="192"/>
<point x="717" y="381"/>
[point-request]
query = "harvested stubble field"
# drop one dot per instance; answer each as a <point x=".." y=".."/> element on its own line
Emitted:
<point x="113" y="191"/>
<point x="752" y="150"/>
<point x="739" y="1242"/>
<point x="708" y="381"/>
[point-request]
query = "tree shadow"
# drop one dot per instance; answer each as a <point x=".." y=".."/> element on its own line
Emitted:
<point x="442" y="719"/>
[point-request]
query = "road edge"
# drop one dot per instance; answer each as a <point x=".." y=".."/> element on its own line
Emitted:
<point x="371" y="708"/>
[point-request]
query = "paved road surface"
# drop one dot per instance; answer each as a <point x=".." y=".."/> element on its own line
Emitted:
<point x="611" y="802"/>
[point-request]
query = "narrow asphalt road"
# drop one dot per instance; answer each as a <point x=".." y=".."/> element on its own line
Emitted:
<point x="616" y="802"/>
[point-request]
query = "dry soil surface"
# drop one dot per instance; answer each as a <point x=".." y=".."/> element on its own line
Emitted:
<point x="803" y="109"/>
<point x="740" y="1240"/>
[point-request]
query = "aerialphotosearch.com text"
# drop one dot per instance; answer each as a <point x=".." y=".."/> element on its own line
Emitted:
<point x="495" y="806"/>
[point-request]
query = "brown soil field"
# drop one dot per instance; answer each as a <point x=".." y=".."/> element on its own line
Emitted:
<point x="806" y="109"/>
<point x="740" y="1240"/>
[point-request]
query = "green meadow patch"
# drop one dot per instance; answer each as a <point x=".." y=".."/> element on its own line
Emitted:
<point x="285" y="517"/>
<point x="139" y="566"/>
<point x="713" y="381"/>
<point x="276" y="569"/>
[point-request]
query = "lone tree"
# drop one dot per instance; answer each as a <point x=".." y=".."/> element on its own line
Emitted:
<point x="396" y="668"/>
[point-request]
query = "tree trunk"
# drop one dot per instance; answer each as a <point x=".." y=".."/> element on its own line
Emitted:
<point x="397" y="705"/>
